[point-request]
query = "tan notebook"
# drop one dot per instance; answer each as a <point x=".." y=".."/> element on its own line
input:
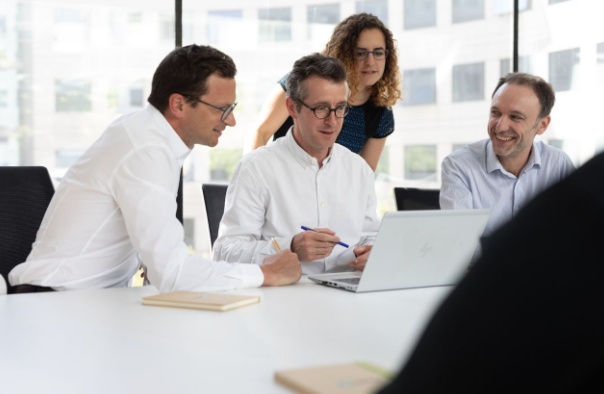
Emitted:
<point x="355" y="378"/>
<point x="194" y="300"/>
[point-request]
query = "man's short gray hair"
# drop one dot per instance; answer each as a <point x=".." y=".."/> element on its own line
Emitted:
<point x="315" y="65"/>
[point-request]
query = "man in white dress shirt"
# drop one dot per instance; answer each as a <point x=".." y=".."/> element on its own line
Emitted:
<point x="304" y="179"/>
<point x="509" y="169"/>
<point x="117" y="203"/>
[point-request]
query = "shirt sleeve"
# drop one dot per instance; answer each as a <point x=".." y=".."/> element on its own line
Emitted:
<point x="240" y="232"/>
<point x="566" y="166"/>
<point x="386" y="126"/>
<point x="143" y="188"/>
<point x="455" y="192"/>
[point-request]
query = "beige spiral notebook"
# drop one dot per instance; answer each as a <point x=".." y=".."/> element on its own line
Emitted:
<point x="195" y="300"/>
<point x="354" y="378"/>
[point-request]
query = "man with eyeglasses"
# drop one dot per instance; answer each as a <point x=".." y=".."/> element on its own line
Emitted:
<point x="116" y="206"/>
<point x="304" y="179"/>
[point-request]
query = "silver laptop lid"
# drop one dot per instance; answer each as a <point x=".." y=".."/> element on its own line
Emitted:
<point x="422" y="248"/>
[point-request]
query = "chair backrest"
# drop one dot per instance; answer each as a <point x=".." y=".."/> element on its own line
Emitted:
<point x="214" y="196"/>
<point x="409" y="199"/>
<point x="25" y="193"/>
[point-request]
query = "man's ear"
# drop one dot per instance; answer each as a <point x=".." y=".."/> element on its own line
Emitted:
<point x="176" y="105"/>
<point x="291" y="105"/>
<point x="543" y="124"/>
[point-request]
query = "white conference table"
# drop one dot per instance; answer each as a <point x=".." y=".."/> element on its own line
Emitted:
<point x="106" y="341"/>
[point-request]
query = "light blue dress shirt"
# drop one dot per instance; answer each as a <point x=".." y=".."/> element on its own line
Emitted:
<point x="473" y="178"/>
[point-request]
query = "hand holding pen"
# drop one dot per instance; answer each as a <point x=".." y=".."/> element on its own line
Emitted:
<point x="314" y="244"/>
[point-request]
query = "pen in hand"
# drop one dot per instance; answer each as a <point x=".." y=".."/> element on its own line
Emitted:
<point x="314" y="231"/>
<point x="276" y="245"/>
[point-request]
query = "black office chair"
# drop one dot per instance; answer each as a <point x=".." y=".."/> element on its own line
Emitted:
<point x="25" y="193"/>
<point x="409" y="199"/>
<point x="214" y="196"/>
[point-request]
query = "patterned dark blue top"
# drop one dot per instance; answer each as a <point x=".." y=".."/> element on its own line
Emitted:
<point x="354" y="133"/>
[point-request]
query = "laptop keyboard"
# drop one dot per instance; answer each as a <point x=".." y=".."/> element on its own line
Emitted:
<point x="352" y="281"/>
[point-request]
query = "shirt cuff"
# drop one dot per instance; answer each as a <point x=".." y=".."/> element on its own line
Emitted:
<point x="251" y="275"/>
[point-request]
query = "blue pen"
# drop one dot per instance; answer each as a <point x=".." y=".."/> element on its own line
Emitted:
<point x="314" y="231"/>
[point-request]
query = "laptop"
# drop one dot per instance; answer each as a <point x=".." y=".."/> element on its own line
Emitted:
<point x="416" y="249"/>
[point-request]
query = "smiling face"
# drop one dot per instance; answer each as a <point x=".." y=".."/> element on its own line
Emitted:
<point x="513" y="124"/>
<point x="201" y="124"/>
<point x="370" y="70"/>
<point x="317" y="136"/>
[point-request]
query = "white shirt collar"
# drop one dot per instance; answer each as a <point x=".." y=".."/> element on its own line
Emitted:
<point x="303" y="158"/>
<point x="494" y="164"/>
<point x="180" y="149"/>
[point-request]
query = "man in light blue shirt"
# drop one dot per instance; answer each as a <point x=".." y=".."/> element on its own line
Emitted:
<point x="507" y="170"/>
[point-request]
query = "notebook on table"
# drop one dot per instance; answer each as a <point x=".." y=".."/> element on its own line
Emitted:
<point x="416" y="249"/>
<point x="195" y="300"/>
<point x="353" y="378"/>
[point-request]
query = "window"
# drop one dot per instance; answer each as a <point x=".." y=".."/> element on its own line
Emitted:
<point x="72" y="96"/>
<point x="468" y="82"/>
<point x="563" y="69"/>
<point x="71" y="28"/>
<point x="321" y="20"/>
<point x="378" y="8"/>
<point x="524" y="65"/>
<point x="223" y="162"/>
<point x="419" y="13"/>
<point x="3" y="99"/>
<point x="2" y="25"/>
<point x="275" y="24"/>
<point x="419" y="86"/>
<point x="325" y="13"/>
<point x="420" y="162"/>
<point x="166" y="28"/>
<point x="136" y="97"/>
<point x="65" y="158"/>
<point x="222" y="23"/>
<point x="467" y="10"/>
<point x="600" y="64"/>
<point x="503" y="7"/>
<point x="189" y="225"/>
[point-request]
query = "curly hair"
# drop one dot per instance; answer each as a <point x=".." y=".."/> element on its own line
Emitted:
<point x="343" y="44"/>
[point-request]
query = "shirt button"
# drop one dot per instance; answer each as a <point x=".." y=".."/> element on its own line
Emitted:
<point x="322" y="205"/>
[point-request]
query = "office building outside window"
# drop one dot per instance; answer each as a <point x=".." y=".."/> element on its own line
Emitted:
<point x="321" y="19"/>
<point x="419" y="13"/>
<point x="275" y="24"/>
<point x="378" y="8"/>
<point x="563" y="69"/>
<point x="420" y="162"/>
<point x="70" y="68"/>
<point x="467" y="10"/>
<point x="419" y="86"/>
<point x="468" y="82"/>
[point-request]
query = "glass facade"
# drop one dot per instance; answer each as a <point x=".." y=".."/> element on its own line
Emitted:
<point x="67" y="69"/>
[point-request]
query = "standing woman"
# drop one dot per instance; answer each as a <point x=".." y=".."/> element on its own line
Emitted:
<point x="366" y="47"/>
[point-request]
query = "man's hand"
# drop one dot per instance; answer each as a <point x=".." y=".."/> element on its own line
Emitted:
<point x="311" y="245"/>
<point x="281" y="269"/>
<point x="362" y="253"/>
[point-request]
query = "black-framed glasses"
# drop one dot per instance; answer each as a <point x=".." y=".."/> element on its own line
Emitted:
<point x="323" y="111"/>
<point x="378" y="54"/>
<point x="226" y="111"/>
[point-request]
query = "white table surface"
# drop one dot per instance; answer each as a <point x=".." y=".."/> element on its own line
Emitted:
<point x="106" y="341"/>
